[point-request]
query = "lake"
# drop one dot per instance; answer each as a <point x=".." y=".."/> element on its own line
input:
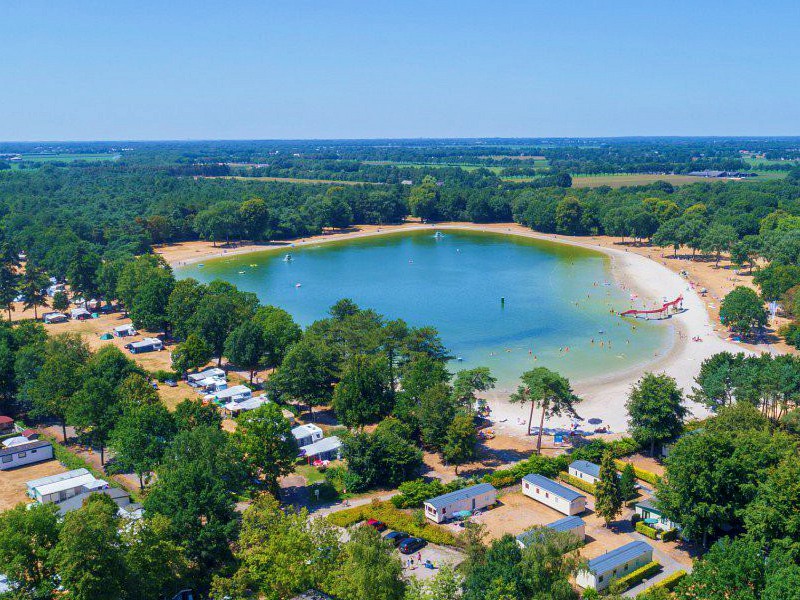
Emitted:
<point x="556" y="313"/>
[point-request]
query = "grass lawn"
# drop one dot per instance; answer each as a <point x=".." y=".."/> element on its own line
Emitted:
<point x="310" y="472"/>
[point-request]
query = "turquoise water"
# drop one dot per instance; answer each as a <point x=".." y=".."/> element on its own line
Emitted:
<point x="557" y="297"/>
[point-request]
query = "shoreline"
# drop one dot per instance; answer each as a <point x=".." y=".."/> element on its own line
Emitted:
<point x="603" y="397"/>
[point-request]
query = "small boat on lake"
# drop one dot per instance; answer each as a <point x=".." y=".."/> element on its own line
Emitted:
<point x="288" y="258"/>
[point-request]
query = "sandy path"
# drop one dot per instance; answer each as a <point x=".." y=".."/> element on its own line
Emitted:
<point x="603" y="398"/>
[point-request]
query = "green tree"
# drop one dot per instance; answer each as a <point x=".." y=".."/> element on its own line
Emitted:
<point x="731" y="570"/>
<point x="182" y="305"/>
<point x="245" y="347"/>
<point x="655" y="410"/>
<point x="569" y="211"/>
<point x="192" y="353"/>
<point x="548" y="391"/>
<point x="436" y="411"/>
<point x="9" y="288"/>
<point x="361" y="397"/>
<point x="423" y="199"/>
<point x="156" y="564"/>
<point x="195" y="488"/>
<point x="368" y="569"/>
<point x="264" y="437"/>
<point x="627" y="482"/>
<point x="255" y="218"/>
<point x="460" y="445"/>
<point x="82" y="273"/>
<point x="89" y="556"/>
<point x="60" y="301"/>
<point x="140" y="437"/>
<point x="669" y="234"/>
<point x="280" y="553"/>
<point x="691" y="232"/>
<point x="717" y="380"/>
<point x="149" y="308"/>
<point x="306" y="374"/>
<point x="93" y="411"/>
<point x="773" y="518"/>
<point x="33" y="287"/>
<point x="28" y="536"/>
<point x="384" y="458"/>
<point x="719" y="238"/>
<point x="219" y="222"/>
<point x="608" y="495"/>
<point x="743" y="311"/>
<point x="191" y="413"/>
<point x="280" y="332"/>
<point x="469" y="381"/>
<point x="219" y="312"/>
<point x="445" y="585"/>
<point x="52" y="390"/>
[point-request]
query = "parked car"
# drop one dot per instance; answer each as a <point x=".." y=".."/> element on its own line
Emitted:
<point x="379" y="525"/>
<point x="170" y="383"/>
<point x="396" y="537"/>
<point x="412" y="544"/>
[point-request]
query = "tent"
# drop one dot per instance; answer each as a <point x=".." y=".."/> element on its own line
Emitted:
<point x="106" y="336"/>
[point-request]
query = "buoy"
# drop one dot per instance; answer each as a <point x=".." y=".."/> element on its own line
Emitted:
<point x="502" y="301"/>
<point x="297" y="285"/>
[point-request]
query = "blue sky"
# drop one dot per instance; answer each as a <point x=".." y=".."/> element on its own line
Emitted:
<point x="344" y="69"/>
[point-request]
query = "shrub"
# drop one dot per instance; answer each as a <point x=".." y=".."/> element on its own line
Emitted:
<point x="791" y="333"/>
<point x="340" y="478"/>
<point x="646" y="476"/>
<point x="578" y="483"/>
<point x="161" y="375"/>
<point x="636" y="577"/>
<point x="540" y="465"/>
<point x="669" y="582"/>
<point x="594" y="450"/>
<point x="395" y="519"/>
<point x="646" y="530"/>
<point x="414" y="493"/>
<point x="670" y="535"/>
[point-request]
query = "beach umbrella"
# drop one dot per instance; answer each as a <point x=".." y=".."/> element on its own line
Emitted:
<point x="595" y="421"/>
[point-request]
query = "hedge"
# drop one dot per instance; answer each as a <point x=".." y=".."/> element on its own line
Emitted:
<point x="644" y="529"/>
<point x="582" y="485"/>
<point x="669" y="535"/>
<point x="669" y="582"/>
<point x="395" y="519"/>
<point x="636" y="577"/>
<point x="646" y="476"/>
<point x="536" y="464"/>
<point x="414" y="493"/>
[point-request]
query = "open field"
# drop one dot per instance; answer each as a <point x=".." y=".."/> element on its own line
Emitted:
<point x="12" y="483"/>
<point x="465" y="166"/>
<point x="293" y="180"/>
<point x="67" y="157"/>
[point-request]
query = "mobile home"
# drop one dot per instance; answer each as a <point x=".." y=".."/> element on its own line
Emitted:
<point x="80" y="314"/>
<point x="25" y="454"/>
<point x="653" y="515"/>
<point x="238" y="406"/>
<point x="585" y="471"/>
<point x="54" y="317"/>
<point x="124" y="330"/>
<point x="548" y="492"/>
<point x="231" y="394"/>
<point x="64" y="489"/>
<point x="145" y="345"/>
<point x="194" y="379"/>
<point x="307" y="434"/>
<point x="324" y="449"/>
<point x="441" y="508"/>
<point x="604" y="569"/>
<point x="34" y="484"/>
<point x="574" y="525"/>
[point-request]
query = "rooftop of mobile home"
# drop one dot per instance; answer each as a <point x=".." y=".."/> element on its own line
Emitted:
<point x="554" y="488"/>
<point x="463" y="494"/>
<point x="610" y="560"/>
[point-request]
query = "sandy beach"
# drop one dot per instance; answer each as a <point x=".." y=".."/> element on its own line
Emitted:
<point x="653" y="278"/>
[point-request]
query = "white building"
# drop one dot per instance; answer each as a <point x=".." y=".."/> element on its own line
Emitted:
<point x="238" y="406"/>
<point x="604" y="569"/>
<point x="585" y="471"/>
<point x="27" y="453"/>
<point x="231" y="394"/>
<point x="548" y="492"/>
<point x="574" y="525"/>
<point x="307" y="434"/>
<point x="124" y="330"/>
<point x="64" y="489"/>
<point x="324" y="449"/>
<point x="653" y="515"/>
<point x="441" y="508"/>
<point x="33" y="484"/>
<point x="194" y="379"/>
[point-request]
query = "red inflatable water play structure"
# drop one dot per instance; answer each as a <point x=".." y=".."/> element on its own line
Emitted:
<point x="667" y="309"/>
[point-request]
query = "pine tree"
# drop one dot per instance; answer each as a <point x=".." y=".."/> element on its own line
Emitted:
<point x="608" y="498"/>
<point x="627" y="483"/>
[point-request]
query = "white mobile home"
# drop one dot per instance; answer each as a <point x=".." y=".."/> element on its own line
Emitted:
<point x="238" y="406"/>
<point x="563" y="499"/>
<point x="80" y="314"/>
<point x="231" y="394"/>
<point x="124" y="330"/>
<point x="324" y="449"/>
<point x="65" y="489"/>
<point x="307" y="434"/>
<point x="33" y="484"/>
<point x="585" y="471"/>
<point x="54" y="317"/>
<point x="120" y="497"/>
<point x="574" y="525"/>
<point x="194" y="379"/>
<point x="654" y="516"/>
<point x="25" y="454"/>
<point x="209" y="385"/>
<point x="604" y="569"/>
<point x="145" y="345"/>
<point x="441" y="508"/>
